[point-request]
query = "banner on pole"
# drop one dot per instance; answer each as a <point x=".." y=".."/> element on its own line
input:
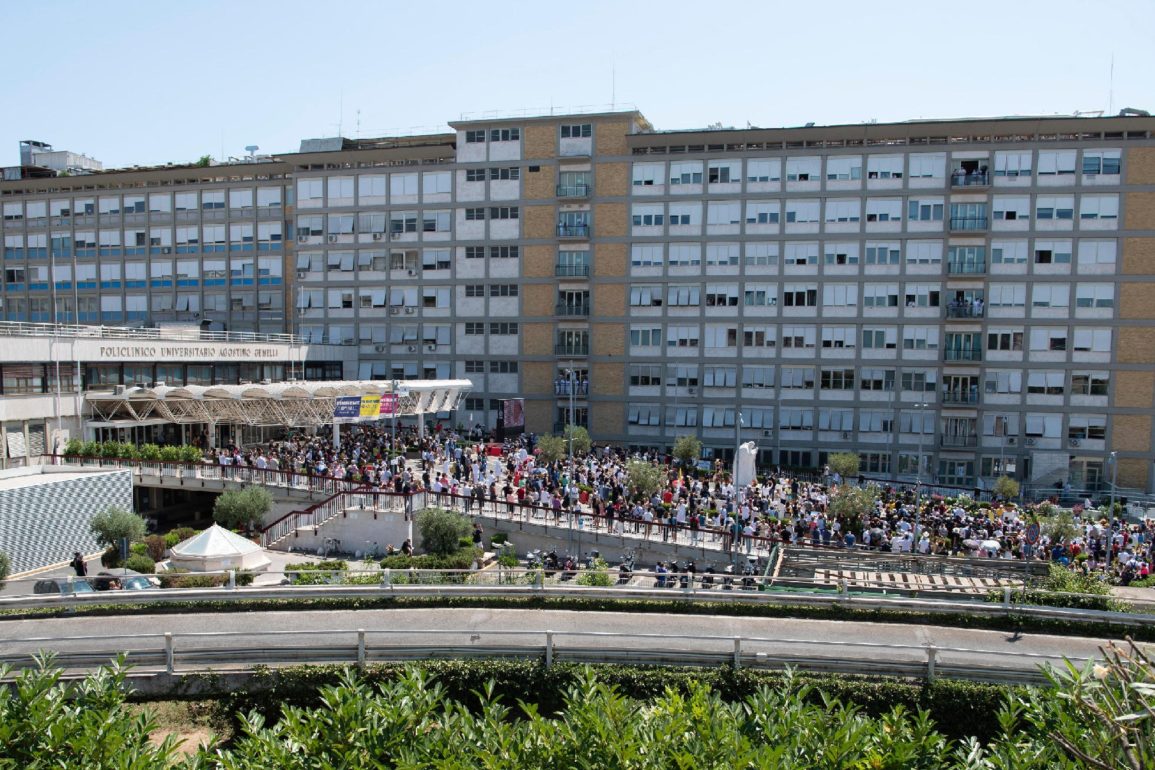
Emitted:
<point x="370" y="407"/>
<point x="347" y="408"/>
<point x="388" y="405"/>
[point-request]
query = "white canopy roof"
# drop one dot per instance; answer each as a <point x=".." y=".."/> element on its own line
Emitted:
<point x="215" y="541"/>
<point x="291" y="404"/>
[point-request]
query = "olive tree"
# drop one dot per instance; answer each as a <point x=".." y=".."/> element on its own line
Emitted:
<point x="845" y="464"/>
<point x="1006" y="488"/>
<point x="853" y="504"/>
<point x="242" y="508"/>
<point x="551" y="448"/>
<point x="687" y="449"/>
<point x="644" y="478"/>
<point x="581" y="439"/>
<point x="114" y="523"/>
<point x="442" y="530"/>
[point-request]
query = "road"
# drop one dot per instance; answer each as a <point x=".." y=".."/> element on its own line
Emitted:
<point x="420" y="630"/>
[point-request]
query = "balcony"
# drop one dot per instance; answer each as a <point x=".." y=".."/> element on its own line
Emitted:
<point x="960" y="397"/>
<point x="573" y="191"/>
<point x="571" y="349"/>
<point x="968" y="224"/>
<point x="962" y="355"/>
<point x="573" y="231"/>
<point x="965" y="309"/>
<point x="973" y="179"/>
<point x="966" y="267"/>
<point x="567" y="309"/>
<point x="571" y="271"/>
<point x="959" y="442"/>
<point x="562" y="387"/>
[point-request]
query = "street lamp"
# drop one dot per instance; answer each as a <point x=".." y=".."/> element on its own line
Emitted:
<point x="570" y="386"/>
<point x="1114" y="460"/>
<point x="918" y="476"/>
<point x="737" y="490"/>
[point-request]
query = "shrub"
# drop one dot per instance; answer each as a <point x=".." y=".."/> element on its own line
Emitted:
<point x="114" y="523"/>
<point x="170" y="454"/>
<point x="189" y="454"/>
<point x="111" y="558"/>
<point x="551" y="448"/>
<point x="138" y="549"/>
<point x="242" y="508"/>
<point x="687" y="449"/>
<point x="150" y="452"/>
<point x="172" y="537"/>
<point x="442" y="530"/>
<point x="182" y="578"/>
<point x="156" y="546"/>
<point x="507" y="560"/>
<point x="90" y="449"/>
<point x="845" y="464"/>
<point x="499" y="538"/>
<point x="316" y="573"/>
<point x="598" y="576"/>
<point x="462" y="558"/>
<point x="5" y="568"/>
<point x="74" y="447"/>
<point x="140" y="563"/>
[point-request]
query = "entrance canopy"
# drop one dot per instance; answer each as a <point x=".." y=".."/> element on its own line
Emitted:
<point x="278" y="404"/>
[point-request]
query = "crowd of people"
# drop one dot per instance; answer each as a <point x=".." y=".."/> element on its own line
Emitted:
<point x="471" y="471"/>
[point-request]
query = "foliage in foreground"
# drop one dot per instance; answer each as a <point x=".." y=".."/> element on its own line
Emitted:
<point x="441" y="530"/>
<point x="1101" y="717"/>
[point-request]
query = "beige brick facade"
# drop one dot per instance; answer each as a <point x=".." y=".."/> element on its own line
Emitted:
<point x="538" y="221"/>
<point x="1133" y="473"/>
<point x="1139" y="211"/>
<point x="607" y="418"/>
<point x="538" y="300"/>
<point x="610" y="138"/>
<point x="1141" y="165"/>
<point x="1136" y="345"/>
<point x="612" y="179"/>
<point x="538" y="261"/>
<point x="610" y="260"/>
<point x="611" y="220"/>
<point x="539" y="417"/>
<point x="609" y="300"/>
<point x="607" y="379"/>
<point x="537" y="377"/>
<point x="1139" y="256"/>
<point x="537" y="339"/>
<point x="1134" y="389"/>
<point x="1131" y="433"/>
<point x="539" y="185"/>
<point x="540" y="141"/>
<point x="608" y="339"/>
<point x="1136" y="301"/>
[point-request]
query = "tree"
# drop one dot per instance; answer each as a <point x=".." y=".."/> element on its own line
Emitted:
<point x="5" y="568"/>
<point x="1058" y="524"/>
<point x="644" y="478"/>
<point x="845" y="464"/>
<point x="853" y="504"/>
<point x="581" y="439"/>
<point x="1006" y="488"/>
<point x="687" y="449"/>
<point x="204" y="161"/>
<point x="551" y="448"/>
<point x="242" y="508"/>
<point x="114" y="523"/>
<point x="442" y="530"/>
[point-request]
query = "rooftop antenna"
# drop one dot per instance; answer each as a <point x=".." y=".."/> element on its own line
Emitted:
<point x="358" y="123"/>
<point x="251" y="149"/>
<point x="1111" y="87"/>
<point x="613" y="82"/>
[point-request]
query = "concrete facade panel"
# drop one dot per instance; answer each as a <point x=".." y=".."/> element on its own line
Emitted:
<point x="608" y="339"/>
<point x="611" y="260"/>
<point x="537" y="339"/>
<point x="539" y="185"/>
<point x="1136" y="345"/>
<point x="540" y="141"/>
<point x="611" y="220"/>
<point x="609" y="300"/>
<point x="1139" y="211"/>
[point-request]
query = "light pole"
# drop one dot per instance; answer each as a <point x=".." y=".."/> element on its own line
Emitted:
<point x="1114" y="460"/>
<point x="737" y="491"/>
<point x="570" y="386"/>
<point x="918" y="475"/>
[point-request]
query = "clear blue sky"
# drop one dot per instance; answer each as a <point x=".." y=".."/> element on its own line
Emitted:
<point x="143" y="82"/>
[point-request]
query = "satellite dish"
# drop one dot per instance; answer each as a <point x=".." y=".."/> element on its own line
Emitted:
<point x="252" y="148"/>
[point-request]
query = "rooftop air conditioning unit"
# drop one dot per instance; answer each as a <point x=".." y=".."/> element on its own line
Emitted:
<point x="409" y="310"/>
<point x="846" y="435"/>
<point x="378" y="236"/>
<point x="1012" y="441"/>
<point x="118" y="389"/>
<point x="332" y="239"/>
<point x="767" y="433"/>
<point x="1074" y="442"/>
<point x="394" y="310"/>
<point x="379" y="348"/>
<point x="302" y="273"/>
<point x="166" y="250"/>
<point x="431" y="348"/>
<point x="412" y="272"/>
<point x="1030" y="442"/>
<point x="412" y="348"/>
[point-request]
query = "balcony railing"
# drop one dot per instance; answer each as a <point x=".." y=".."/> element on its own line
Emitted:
<point x="573" y="191"/>
<point x="968" y="223"/>
<point x="963" y="355"/>
<point x="566" y="309"/>
<point x="960" y="396"/>
<point x="966" y="309"/>
<point x="966" y="266"/>
<point x="562" y="387"/>
<point x="573" y="231"/>
<point x="570" y="349"/>
<point x="959" y="441"/>
<point x="571" y="271"/>
<point x="974" y="179"/>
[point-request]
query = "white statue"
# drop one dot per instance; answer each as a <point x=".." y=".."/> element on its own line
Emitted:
<point x="744" y="470"/>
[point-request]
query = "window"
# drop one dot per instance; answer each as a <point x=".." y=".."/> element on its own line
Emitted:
<point x="682" y="337"/>
<point x="1013" y="163"/>
<point x="720" y="377"/>
<point x="340" y="187"/>
<point x="883" y="338"/>
<point x="1005" y="340"/>
<point x="840" y="253"/>
<point x="505" y="135"/>
<point x="403" y="222"/>
<point x="758" y="336"/>
<point x="503" y="290"/>
<point x="763" y="212"/>
<point x="577" y="130"/>
<point x="1055" y="207"/>
<point x="1092" y="340"/>
<point x="472" y="290"/>
<point x="644" y="336"/>
<point x="475" y="367"/>
<point x="919" y="381"/>
<point x="475" y="137"/>
<point x="510" y="174"/>
<point x="763" y="170"/>
<point x="799" y="295"/>
<point x="877" y="380"/>
<point x="1056" y="162"/>
<point x="503" y="367"/>
<point x="844" y="168"/>
<point x="371" y="186"/>
<point x="503" y="328"/>
<point x="504" y="252"/>
<point x="722" y="254"/>
<point x="1099" y="207"/>
<point x="922" y="295"/>
<point x="843" y="210"/>
<point x="644" y="414"/>
<point x="307" y="189"/>
<point x="797" y="377"/>
<point x="923" y="252"/>
<point x="880" y="295"/>
<point x="437" y="182"/>
<point x="836" y="419"/>
<point x="920" y="338"/>
<point x="1052" y="252"/>
<point x="839" y="337"/>
<point x="685" y="254"/>
<point x="803" y="169"/>
<point x="686" y="172"/>
<point x="801" y="253"/>
<point x="925" y="210"/>
<point x="928" y="165"/>
<point x="921" y="421"/>
<point x="648" y="174"/>
<point x="683" y="296"/>
<point x="757" y="376"/>
<point x="883" y="253"/>
<point x="1008" y="252"/>
<point x="475" y="252"/>
<point x="435" y="221"/>
<point x="1101" y="162"/>
<point x="721" y="296"/>
<point x="652" y="215"/>
<point x="795" y="418"/>
<point x="724" y="213"/>
<point x="1050" y="295"/>
<point x="475" y="175"/>
<point x="474" y="214"/>
<point x="884" y="167"/>
<point x="840" y="295"/>
<point x="1089" y="383"/>
<point x="1012" y="207"/>
<point x="474" y="328"/>
<point x="1007" y="295"/>
<point x="798" y="337"/>
<point x="646" y="296"/>
<point x="724" y="171"/>
<point x="761" y="254"/>
<point x="1087" y="426"/>
<point x="756" y="295"/>
<point x="1048" y="339"/>
<point x="504" y="212"/>
<point x="801" y="211"/>
<point x="1095" y="253"/>
<point x="1044" y="384"/>
<point x="646" y="255"/>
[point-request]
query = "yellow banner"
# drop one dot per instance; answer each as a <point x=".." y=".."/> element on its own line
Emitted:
<point x="370" y="407"/>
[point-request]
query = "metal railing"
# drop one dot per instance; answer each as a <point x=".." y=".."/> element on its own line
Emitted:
<point x="573" y="231"/>
<point x="965" y="354"/>
<point x="22" y="329"/>
<point x="562" y="349"/>
<point x="964" y="310"/>
<point x="968" y="223"/>
<point x="568" y="309"/>
<point x="573" y="191"/>
<point x="973" y="179"/>
<point x="959" y="441"/>
<point x="960" y="396"/>
<point x="966" y="266"/>
<point x="571" y="271"/>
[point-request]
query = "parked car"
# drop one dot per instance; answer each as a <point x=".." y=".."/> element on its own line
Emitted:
<point x="62" y="586"/>
<point x="129" y="581"/>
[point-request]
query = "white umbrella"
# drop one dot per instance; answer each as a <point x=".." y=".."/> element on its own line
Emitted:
<point x="992" y="545"/>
